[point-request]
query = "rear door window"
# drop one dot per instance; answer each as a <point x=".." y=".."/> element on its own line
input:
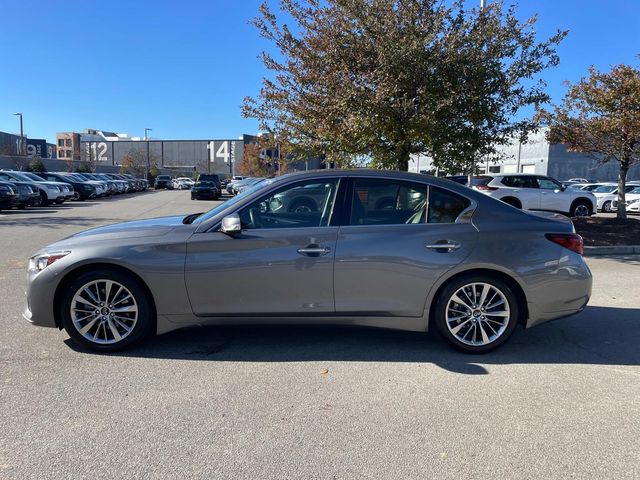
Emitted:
<point x="393" y="202"/>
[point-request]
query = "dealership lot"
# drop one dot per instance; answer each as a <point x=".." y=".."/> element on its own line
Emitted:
<point x="557" y="401"/>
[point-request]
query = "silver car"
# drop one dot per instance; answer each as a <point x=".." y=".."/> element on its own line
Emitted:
<point x="438" y="256"/>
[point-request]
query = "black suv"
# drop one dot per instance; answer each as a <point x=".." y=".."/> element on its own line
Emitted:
<point x="210" y="177"/>
<point x="208" y="186"/>
<point x="163" y="181"/>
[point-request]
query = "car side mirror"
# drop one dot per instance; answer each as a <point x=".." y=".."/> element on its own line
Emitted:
<point x="231" y="224"/>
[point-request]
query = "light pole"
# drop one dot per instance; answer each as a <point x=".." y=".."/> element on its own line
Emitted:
<point x="146" y="139"/>
<point x="21" y="149"/>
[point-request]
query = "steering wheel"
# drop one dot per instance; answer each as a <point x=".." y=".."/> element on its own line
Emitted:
<point x="256" y="221"/>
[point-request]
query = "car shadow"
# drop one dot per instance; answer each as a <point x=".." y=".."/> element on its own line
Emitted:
<point x="597" y="336"/>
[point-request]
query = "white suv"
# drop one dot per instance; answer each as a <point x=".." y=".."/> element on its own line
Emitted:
<point x="536" y="192"/>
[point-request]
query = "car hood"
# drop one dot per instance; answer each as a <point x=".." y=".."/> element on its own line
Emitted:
<point x="139" y="228"/>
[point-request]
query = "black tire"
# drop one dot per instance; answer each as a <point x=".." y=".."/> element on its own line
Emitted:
<point x="44" y="200"/>
<point x="582" y="209"/>
<point x="59" y="201"/>
<point x="145" y="322"/>
<point x="606" y="207"/>
<point x="473" y="320"/>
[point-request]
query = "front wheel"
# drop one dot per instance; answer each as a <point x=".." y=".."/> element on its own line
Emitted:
<point x="477" y="313"/>
<point x="582" y="209"/>
<point x="606" y="206"/>
<point x="106" y="310"/>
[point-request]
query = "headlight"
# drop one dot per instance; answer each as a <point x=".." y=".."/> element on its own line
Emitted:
<point x="38" y="263"/>
<point x="632" y="202"/>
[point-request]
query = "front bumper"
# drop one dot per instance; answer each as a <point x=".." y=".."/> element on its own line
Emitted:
<point x="39" y="305"/>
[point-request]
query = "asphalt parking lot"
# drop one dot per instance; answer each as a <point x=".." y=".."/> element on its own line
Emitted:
<point x="558" y="401"/>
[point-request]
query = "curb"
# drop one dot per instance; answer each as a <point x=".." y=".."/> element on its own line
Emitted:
<point x="613" y="250"/>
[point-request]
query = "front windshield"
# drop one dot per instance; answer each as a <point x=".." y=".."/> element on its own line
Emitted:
<point x="223" y="206"/>
<point x="31" y="176"/>
<point x="635" y="191"/>
<point x="605" y="189"/>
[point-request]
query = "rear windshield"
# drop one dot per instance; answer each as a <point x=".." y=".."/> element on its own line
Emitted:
<point x="480" y="180"/>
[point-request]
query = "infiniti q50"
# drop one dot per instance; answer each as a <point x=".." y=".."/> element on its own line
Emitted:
<point x="371" y="248"/>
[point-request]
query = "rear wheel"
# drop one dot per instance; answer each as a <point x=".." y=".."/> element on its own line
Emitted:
<point x="477" y="313"/>
<point x="106" y="310"/>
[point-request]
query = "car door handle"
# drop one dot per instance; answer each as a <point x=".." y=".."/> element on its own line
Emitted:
<point x="448" y="246"/>
<point x="313" y="251"/>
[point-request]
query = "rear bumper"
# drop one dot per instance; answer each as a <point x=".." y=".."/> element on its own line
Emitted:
<point x="566" y="294"/>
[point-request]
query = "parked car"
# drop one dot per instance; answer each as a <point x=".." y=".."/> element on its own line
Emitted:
<point x="573" y="181"/>
<point x="633" y="206"/>
<point x="607" y="193"/>
<point x="230" y="187"/>
<point x="444" y="257"/>
<point x="163" y="181"/>
<point x="8" y="196"/>
<point x="246" y="184"/>
<point x="205" y="191"/>
<point x="28" y="194"/>
<point x="50" y="192"/>
<point x="140" y="184"/>
<point x="537" y="192"/>
<point x="82" y="188"/>
<point x="630" y="197"/>
<point x="210" y="177"/>
<point x="66" y="188"/>
<point x="182" y="183"/>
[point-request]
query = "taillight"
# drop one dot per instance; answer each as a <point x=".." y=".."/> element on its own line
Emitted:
<point x="485" y="187"/>
<point x="572" y="241"/>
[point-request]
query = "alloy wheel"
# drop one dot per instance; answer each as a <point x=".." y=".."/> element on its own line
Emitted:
<point x="104" y="311"/>
<point x="477" y="314"/>
<point x="582" y="211"/>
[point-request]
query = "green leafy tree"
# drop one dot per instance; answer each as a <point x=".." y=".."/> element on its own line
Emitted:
<point x="36" y="165"/>
<point x="385" y="79"/>
<point x="600" y="116"/>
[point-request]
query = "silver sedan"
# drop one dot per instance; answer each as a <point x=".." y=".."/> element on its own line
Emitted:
<point x="379" y="249"/>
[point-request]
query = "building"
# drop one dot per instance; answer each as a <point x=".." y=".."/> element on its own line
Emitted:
<point x="40" y="147"/>
<point x="9" y="144"/>
<point x="538" y="156"/>
<point x="68" y="145"/>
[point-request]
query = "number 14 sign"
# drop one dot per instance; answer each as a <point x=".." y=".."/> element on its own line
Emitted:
<point x="221" y="149"/>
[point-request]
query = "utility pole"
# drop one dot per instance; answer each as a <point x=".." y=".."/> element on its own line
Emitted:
<point x="21" y="149"/>
<point x="146" y="138"/>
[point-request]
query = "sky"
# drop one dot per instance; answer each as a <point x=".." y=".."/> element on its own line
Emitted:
<point x="183" y="67"/>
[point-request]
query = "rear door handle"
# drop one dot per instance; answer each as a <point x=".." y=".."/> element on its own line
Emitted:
<point x="448" y="246"/>
<point x="314" y="251"/>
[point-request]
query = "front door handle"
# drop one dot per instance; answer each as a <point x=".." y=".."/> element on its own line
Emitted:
<point x="448" y="246"/>
<point x="313" y="250"/>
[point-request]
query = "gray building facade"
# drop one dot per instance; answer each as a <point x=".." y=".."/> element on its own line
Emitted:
<point x="538" y="156"/>
<point x="203" y="156"/>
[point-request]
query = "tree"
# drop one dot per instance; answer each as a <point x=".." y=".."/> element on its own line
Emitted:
<point x="390" y="78"/>
<point x="269" y="155"/>
<point x="36" y="165"/>
<point x="600" y="116"/>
